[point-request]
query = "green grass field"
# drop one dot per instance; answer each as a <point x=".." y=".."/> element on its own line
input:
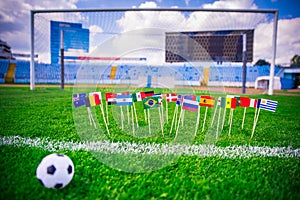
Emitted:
<point x="47" y="113"/>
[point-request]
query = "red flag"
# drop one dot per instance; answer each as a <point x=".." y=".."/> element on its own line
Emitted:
<point x="147" y="94"/>
<point x="171" y="97"/>
<point x="207" y="101"/>
<point x="97" y="99"/>
<point x="244" y="102"/>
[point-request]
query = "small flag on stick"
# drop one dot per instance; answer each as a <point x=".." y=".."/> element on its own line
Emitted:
<point x="264" y="104"/>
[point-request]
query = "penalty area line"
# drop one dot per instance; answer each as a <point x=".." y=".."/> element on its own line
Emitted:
<point x="127" y="148"/>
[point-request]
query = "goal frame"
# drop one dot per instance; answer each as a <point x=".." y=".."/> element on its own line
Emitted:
<point x="264" y="11"/>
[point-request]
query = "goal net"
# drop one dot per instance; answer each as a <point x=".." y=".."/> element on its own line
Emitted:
<point x="132" y="46"/>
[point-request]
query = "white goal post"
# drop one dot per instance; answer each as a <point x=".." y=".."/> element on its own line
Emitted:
<point x="258" y="11"/>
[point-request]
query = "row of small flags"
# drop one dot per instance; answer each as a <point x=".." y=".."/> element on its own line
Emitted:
<point x="190" y="103"/>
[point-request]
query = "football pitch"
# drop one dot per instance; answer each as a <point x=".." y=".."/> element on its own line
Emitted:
<point x="37" y="123"/>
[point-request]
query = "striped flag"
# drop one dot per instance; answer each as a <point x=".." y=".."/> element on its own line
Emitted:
<point x="78" y="100"/>
<point x="111" y="98"/>
<point x="237" y="97"/>
<point x="171" y="97"/>
<point x="222" y="102"/>
<point x="231" y="102"/>
<point x="207" y="101"/>
<point x="147" y="94"/>
<point x="253" y="103"/>
<point x="124" y="100"/>
<point x="87" y="101"/>
<point x="137" y="96"/>
<point x="190" y="103"/>
<point x="267" y="104"/>
<point x="95" y="98"/>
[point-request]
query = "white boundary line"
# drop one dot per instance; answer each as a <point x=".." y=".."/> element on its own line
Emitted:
<point x="128" y="148"/>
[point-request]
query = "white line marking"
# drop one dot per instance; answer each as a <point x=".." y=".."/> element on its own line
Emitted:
<point x="108" y="147"/>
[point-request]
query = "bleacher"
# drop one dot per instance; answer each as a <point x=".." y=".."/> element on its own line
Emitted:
<point x="129" y="73"/>
<point x="3" y="69"/>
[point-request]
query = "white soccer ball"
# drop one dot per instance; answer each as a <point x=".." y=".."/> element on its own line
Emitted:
<point x="55" y="171"/>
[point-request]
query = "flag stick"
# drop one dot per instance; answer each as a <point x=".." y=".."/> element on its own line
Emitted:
<point x="162" y="113"/>
<point x="173" y="119"/>
<point x="122" y="117"/>
<point x="218" y="124"/>
<point x="128" y="118"/>
<point x="213" y="119"/>
<point x="229" y="117"/>
<point x="132" y="117"/>
<point x="198" y="121"/>
<point x="167" y="117"/>
<point x="92" y="121"/>
<point x="107" y="112"/>
<point x="161" y="122"/>
<point x="182" y="118"/>
<point x="145" y="115"/>
<point x="136" y="119"/>
<point x="245" y="110"/>
<point x="88" y="111"/>
<point x="149" y="126"/>
<point x="224" y="116"/>
<point x="230" y="124"/>
<point x="204" y="119"/>
<point x="176" y="117"/>
<point x="179" y="118"/>
<point x="255" y="113"/>
<point x="101" y="108"/>
<point x="254" y="125"/>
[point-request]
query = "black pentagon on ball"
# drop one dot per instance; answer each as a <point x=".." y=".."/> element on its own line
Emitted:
<point x="58" y="185"/>
<point x="51" y="169"/>
<point x="60" y="155"/>
<point x="70" y="169"/>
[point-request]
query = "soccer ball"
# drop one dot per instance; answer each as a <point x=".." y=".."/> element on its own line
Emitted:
<point x="55" y="171"/>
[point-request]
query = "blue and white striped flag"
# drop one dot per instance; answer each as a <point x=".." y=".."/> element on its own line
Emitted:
<point x="124" y="100"/>
<point x="267" y="104"/>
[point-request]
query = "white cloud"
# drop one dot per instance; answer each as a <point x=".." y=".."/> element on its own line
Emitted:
<point x="288" y="40"/>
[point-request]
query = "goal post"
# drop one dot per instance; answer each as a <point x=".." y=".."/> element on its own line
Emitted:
<point x="101" y="16"/>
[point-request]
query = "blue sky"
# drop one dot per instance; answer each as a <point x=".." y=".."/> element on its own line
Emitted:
<point x="15" y="20"/>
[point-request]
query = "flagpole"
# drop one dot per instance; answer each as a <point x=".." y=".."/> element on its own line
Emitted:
<point x="107" y="112"/>
<point x="88" y="111"/>
<point x="101" y="108"/>
<point x="136" y="119"/>
<point x="167" y="117"/>
<point x="149" y="126"/>
<point x="180" y="117"/>
<point x="245" y="110"/>
<point x="223" y="120"/>
<point x="230" y="125"/>
<point x="145" y="115"/>
<point x="175" y="113"/>
<point x="161" y="122"/>
<point x="128" y="117"/>
<point x="122" y="117"/>
<point x="177" y="116"/>
<point x="213" y="119"/>
<point x="198" y="119"/>
<point x="204" y="119"/>
<point x="218" y="124"/>
<point x="254" y="125"/>
<point x="132" y="117"/>
<point x="162" y="112"/>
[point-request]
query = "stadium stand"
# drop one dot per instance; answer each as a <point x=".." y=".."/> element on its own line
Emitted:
<point x="3" y="69"/>
<point x="129" y="73"/>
